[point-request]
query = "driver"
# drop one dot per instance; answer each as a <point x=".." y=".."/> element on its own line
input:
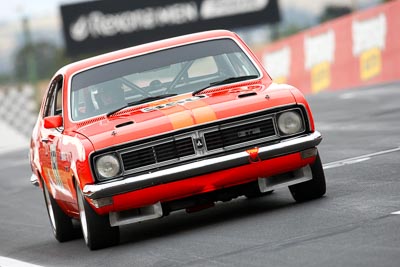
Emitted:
<point x="110" y="98"/>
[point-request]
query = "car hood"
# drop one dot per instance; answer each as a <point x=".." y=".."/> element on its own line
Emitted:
<point x="183" y="111"/>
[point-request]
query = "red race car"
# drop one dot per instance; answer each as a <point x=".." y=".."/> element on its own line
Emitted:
<point x="181" y="123"/>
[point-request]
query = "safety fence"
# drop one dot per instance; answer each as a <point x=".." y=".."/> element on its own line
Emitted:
<point x="18" y="109"/>
<point x="356" y="50"/>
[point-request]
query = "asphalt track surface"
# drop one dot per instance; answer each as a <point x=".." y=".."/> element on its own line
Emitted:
<point x="355" y="224"/>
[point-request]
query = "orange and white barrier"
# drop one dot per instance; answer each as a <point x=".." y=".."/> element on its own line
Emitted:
<point x="356" y="50"/>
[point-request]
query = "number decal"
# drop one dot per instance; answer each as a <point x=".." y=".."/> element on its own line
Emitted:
<point x="54" y="165"/>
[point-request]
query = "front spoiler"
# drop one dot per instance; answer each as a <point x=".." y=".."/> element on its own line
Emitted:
<point x="192" y="169"/>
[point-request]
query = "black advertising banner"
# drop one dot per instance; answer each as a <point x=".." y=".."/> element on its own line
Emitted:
<point x="106" y="25"/>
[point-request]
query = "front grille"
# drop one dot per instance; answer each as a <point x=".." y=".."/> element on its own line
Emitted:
<point x="174" y="150"/>
<point x="235" y="135"/>
<point x="171" y="150"/>
<point x="193" y="144"/>
<point x="138" y="158"/>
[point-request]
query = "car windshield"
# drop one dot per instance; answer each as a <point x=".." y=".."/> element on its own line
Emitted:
<point x="172" y="71"/>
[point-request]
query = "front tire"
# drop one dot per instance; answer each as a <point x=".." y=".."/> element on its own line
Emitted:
<point x="96" y="229"/>
<point x="61" y="224"/>
<point x="312" y="189"/>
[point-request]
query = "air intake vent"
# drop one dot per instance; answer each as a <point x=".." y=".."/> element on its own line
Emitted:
<point x="247" y="94"/>
<point x="124" y="124"/>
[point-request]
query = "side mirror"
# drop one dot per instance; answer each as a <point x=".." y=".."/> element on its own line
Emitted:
<point x="53" y="122"/>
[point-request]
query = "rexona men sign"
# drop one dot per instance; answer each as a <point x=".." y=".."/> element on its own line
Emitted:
<point x="98" y="26"/>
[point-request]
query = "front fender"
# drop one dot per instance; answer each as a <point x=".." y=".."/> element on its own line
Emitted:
<point x="81" y="148"/>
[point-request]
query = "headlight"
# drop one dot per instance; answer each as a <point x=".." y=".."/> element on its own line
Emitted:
<point x="290" y="122"/>
<point x="108" y="166"/>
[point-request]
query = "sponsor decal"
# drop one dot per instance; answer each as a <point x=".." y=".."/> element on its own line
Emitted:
<point x="173" y="104"/>
<point x="369" y="40"/>
<point x="319" y="51"/>
<point x="278" y="64"/>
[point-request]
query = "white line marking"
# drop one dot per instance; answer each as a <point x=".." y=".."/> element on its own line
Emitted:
<point x="8" y="262"/>
<point x="358" y="159"/>
<point x="341" y="163"/>
<point x="346" y="96"/>
<point x="396" y="213"/>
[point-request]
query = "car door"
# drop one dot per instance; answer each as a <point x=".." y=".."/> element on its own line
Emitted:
<point x="55" y="160"/>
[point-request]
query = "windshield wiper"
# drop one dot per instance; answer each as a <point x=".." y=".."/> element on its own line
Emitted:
<point x="226" y="81"/>
<point x="141" y="101"/>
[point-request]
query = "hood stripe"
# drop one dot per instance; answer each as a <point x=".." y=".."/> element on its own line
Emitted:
<point x="202" y="112"/>
<point x="181" y="120"/>
<point x="188" y="114"/>
<point x="178" y="116"/>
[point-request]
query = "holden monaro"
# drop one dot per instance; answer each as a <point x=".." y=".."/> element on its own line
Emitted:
<point x="181" y="123"/>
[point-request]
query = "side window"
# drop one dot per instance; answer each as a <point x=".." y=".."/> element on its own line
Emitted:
<point x="58" y="99"/>
<point x="53" y="104"/>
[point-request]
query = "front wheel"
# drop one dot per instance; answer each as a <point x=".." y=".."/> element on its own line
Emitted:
<point x="61" y="224"/>
<point x="315" y="188"/>
<point x="96" y="229"/>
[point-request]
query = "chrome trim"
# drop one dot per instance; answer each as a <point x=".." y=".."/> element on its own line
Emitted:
<point x="34" y="180"/>
<point x="306" y="114"/>
<point x="102" y="202"/>
<point x="285" y="147"/>
<point x="303" y="118"/>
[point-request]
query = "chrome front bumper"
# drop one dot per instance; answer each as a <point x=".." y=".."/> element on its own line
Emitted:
<point x="192" y="169"/>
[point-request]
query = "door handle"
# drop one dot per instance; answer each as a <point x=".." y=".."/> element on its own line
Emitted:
<point x="48" y="139"/>
<point x="45" y="140"/>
